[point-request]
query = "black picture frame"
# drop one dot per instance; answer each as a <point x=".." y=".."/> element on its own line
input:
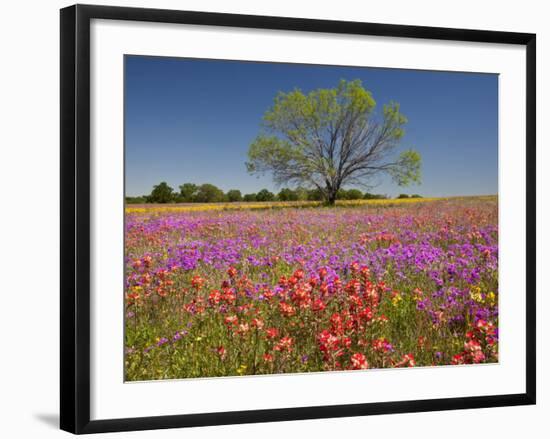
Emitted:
<point x="75" y="217"/>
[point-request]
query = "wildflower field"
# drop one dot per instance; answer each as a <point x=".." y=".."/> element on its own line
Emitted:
<point x="237" y="291"/>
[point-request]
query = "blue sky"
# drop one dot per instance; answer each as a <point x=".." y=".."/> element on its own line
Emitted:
<point x="190" y="120"/>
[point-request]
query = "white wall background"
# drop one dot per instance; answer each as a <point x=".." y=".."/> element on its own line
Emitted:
<point x="29" y="186"/>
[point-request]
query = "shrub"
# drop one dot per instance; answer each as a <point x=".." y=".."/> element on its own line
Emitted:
<point x="265" y="195"/>
<point x="161" y="193"/>
<point x="208" y="193"/>
<point x="369" y="196"/>
<point x="287" y="195"/>
<point x="234" y="195"/>
<point x="136" y="200"/>
<point x="315" y="195"/>
<point x="354" y="194"/>
<point x="187" y="192"/>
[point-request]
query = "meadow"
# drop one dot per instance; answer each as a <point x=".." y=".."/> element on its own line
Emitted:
<point x="263" y="288"/>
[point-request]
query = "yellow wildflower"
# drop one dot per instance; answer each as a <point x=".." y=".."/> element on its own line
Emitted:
<point x="475" y="295"/>
<point x="491" y="298"/>
<point x="396" y="299"/>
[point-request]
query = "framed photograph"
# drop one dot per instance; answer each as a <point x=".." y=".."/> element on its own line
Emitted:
<point x="268" y="219"/>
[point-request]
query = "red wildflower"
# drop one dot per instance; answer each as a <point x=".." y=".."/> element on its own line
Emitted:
<point x="328" y="341"/>
<point x="272" y="332"/>
<point x="268" y="294"/>
<point x="243" y="328"/>
<point x="231" y="320"/>
<point x="229" y="296"/>
<point x="147" y="261"/>
<point x="473" y="352"/>
<point x="286" y="309"/>
<point x="257" y="323"/>
<point x="365" y="272"/>
<point x="284" y="344"/>
<point x="366" y="314"/>
<point x="406" y="361"/>
<point x="232" y="272"/>
<point x="336" y="323"/>
<point x="353" y="286"/>
<point x="318" y="305"/>
<point x="359" y="361"/>
<point x="302" y="297"/>
<point x="197" y="282"/>
<point x="215" y="297"/>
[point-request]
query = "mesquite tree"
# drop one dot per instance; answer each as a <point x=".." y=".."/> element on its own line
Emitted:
<point x="331" y="138"/>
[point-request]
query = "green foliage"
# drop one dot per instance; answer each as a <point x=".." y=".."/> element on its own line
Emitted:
<point x="208" y="193"/>
<point x="394" y="119"/>
<point x="161" y="193"/>
<point x="402" y="196"/>
<point x="315" y="195"/>
<point x="136" y="200"/>
<point x="234" y="195"/>
<point x="369" y="196"/>
<point x="265" y="195"/>
<point x="287" y="194"/>
<point x="188" y="192"/>
<point x="416" y="196"/>
<point x="351" y="194"/>
<point x="270" y="152"/>
<point x="301" y="193"/>
<point x="408" y="169"/>
<point x="327" y="138"/>
<point x="354" y="194"/>
<point x="341" y="194"/>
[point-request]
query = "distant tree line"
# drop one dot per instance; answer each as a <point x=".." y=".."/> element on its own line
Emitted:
<point x="209" y="193"/>
<point x="400" y="196"/>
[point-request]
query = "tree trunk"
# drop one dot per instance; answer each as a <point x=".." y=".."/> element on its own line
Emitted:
<point x="331" y="198"/>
